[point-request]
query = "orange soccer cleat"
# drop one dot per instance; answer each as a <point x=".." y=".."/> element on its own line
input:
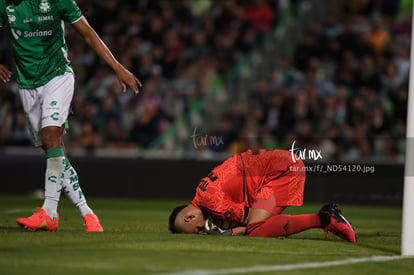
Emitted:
<point x="92" y="224"/>
<point x="333" y="221"/>
<point x="39" y="221"/>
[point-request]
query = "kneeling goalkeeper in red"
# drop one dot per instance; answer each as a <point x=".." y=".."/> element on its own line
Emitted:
<point x="247" y="194"/>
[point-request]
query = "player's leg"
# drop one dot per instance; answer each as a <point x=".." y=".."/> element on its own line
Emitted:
<point x="55" y="156"/>
<point x="259" y="214"/>
<point x="56" y="96"/>
<point x="72" y="189"/>
<point x="265" y="220"/>
<point x="288" y="191"/>
<point x="283" y="188"/>
<point x="60" y="91"/>
<point x="282" y="225"/>
<point x="45" y="218"/>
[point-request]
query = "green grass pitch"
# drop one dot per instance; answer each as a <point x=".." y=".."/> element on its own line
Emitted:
<point x="136" y="241"/>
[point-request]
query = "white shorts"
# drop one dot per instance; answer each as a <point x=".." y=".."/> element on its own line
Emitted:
<point x="47" y="105"/>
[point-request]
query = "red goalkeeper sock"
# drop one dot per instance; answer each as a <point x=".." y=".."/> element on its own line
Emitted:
<point x="283" y="225"/>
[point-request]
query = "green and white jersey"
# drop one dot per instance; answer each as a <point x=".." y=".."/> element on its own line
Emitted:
<point x="36" y="31"/>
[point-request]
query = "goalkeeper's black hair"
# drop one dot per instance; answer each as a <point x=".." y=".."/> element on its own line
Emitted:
<point x="173" y="215"/>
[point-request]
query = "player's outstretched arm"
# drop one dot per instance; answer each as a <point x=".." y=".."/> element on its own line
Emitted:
<point x="5" y="74"/>
<point x="125" y="77"/>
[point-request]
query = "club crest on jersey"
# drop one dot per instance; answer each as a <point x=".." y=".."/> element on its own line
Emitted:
<point x="12" y="19"/>
<point x="44" y="6"/>
<point x="10" y="8"/>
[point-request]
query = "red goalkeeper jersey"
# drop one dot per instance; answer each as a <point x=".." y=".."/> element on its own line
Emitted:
<point x="230" y="189"/>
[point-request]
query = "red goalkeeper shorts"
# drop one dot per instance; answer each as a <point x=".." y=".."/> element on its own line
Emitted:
<point x="282" y="188"/>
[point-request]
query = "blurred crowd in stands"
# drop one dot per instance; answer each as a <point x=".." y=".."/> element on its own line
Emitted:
<point x="345" y="90"/>
<point x="174" y="47"/>
<point x="344" y="93"/>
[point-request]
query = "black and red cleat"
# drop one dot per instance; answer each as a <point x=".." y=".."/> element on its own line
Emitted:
<point x="333" y="221"/>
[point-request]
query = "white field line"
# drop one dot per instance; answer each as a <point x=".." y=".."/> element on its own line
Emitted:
<point x="268" y="268"/>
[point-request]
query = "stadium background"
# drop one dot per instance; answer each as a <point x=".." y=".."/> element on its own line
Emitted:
<point x="223" y="76"/>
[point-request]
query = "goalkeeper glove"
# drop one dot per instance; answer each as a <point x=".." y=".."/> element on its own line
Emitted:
<point x="212" y="229"/>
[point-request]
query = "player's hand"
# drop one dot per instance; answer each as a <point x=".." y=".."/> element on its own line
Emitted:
<point x="212" y="229"/>
<point x="5" y="74"/>
<point x="126" y="78"/>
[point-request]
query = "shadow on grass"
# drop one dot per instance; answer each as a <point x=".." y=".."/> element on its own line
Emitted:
<point x="361" y="241"/>
<point x="365" y="240"/>
<point x="381" y="248"/>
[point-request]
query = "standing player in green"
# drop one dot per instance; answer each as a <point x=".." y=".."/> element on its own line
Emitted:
<point x="46" y="85"/>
